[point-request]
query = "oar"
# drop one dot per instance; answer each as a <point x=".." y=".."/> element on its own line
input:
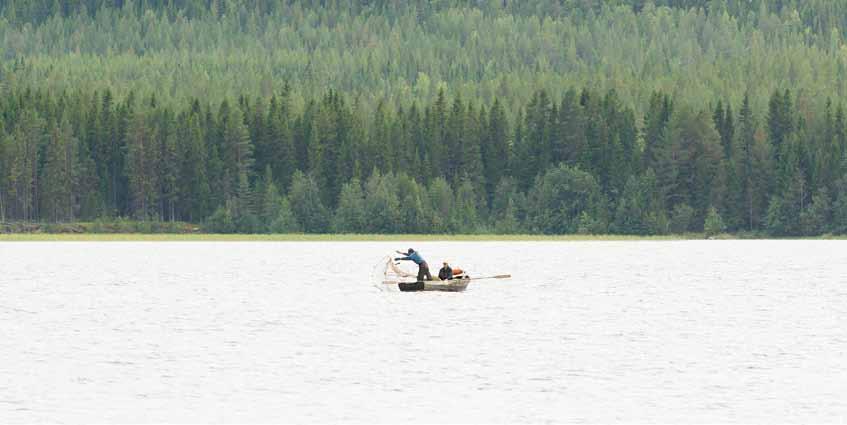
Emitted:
<point x="499" y="276"/>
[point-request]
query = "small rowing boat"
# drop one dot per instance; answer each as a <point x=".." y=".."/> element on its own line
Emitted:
<point x="452" y="285"/>
<point x="395" y="277"/>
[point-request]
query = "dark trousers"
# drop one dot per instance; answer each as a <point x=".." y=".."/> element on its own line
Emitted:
<point x="423" y="271"/>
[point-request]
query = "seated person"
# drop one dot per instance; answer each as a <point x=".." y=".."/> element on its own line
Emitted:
<point x="446" y="272"/>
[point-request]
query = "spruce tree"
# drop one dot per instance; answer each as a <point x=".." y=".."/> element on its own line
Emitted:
<point x="350" y="214"/>
<point x="143" y="156"/>
<point x="60" y="174"/>
<point x="495" y="149"/>
<point x="307" y="205"/>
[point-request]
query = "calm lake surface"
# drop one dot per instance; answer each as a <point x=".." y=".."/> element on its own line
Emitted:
<point x="708" y="331"/>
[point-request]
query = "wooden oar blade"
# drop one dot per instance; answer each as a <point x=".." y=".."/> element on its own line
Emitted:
<point x="499" y="276"/>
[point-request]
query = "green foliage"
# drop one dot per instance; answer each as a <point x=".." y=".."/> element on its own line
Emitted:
<point x="640" y="210"/>
<point x="306" y="204"/>
<point x="168" y="168"/>
<point x="463" y="212"/>
<point x="382" y="206"/>
<point x="775" y="221"/>
<point x="682" y="219"/>
<point x="589" y="225"/>
<point x="221" y="221"/>
<point x="817" y="218"/>
<point x="507" y="223"/>
<point x="713" y="224"/>
<point x="508" y="208"/>
<point x="695" y="159"/>
<point x="271" y="200"/>
<point x="559" y="198"/>
<point x="839" y="207"/>
<point x="350" y="214"/>
<point x="415" y="215"/>
<point x="785" y="211"/>
<point x="285" y="221"/>
<point x="457" y="116"/>
<point x="441" y="196"/>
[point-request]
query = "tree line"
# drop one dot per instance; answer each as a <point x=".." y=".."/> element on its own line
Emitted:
<point x="579" y="161"/>
<point x="426" y="116"/>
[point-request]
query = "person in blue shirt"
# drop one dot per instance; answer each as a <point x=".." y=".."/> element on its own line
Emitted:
<point x="423" y="268"/>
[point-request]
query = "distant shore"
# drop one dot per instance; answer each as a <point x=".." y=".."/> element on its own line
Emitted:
<point x="179" y="231"/>
<point x="210" y="237"/>
<point x="202" y="237"/>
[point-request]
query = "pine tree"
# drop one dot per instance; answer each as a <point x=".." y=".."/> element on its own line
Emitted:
<point x="537" y="135"/>
<point x="839" y="207"/>
<point x="142" y="160"/>
<point x="236" y="155"/>
<point x="441" y="196"/>
<point x="817" y="218"/>
<point x="285" y="221"/>
<point x="26" y="142"/>
<point x="415" y="214"/>
<point x="4" y="141"/>
<point x="495" y="149"/>
<point x="269" y="206"/>
<point x="725" y="124"/>
<point x="350" y="214"/>
<point x="713" y="224"/>
<point x="780" y="123"/>
<point x="841" y="140"/>
<point x="696" y="148"/>
<point x="307" y="205"/>
<point x="193" y="180"/>
<point x="640" y="210"/>
<point x="571" y="132"/>
<point x="169" y="167"/>
<point x="280" y="147"/>
<point x="436" y="124"/>
<point x="656" y="119"/>
<point x="559" y="198"/>
<point x="464" y="211"/>
<point x="741" y="186"/>
<point x="60" y="174"/>
<point x="382" y="205"/>
<point x="470" y="161"/>
<point x="455" y="137"/>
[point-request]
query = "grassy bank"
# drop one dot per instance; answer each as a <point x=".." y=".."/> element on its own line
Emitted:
<point x="126" y="230"/>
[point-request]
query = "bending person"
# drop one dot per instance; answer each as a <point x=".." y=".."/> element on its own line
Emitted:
<point x="423" y="268"/>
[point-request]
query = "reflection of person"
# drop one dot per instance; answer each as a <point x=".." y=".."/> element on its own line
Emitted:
<point x="423" y="268"/>
<point x="446" y="273"/>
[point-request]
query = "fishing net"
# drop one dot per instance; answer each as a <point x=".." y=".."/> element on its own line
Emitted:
<point x="387" y="273"/>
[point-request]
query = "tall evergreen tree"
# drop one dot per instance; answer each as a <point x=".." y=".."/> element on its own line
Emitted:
<point x="495" y="148"/>
<point x="350" y="214"/>
<point x="143" y="157"/>
<point x="60" y="174"/>
<point x="307" y="204"/>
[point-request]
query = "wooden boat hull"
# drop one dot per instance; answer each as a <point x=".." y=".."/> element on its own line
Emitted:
<point x="454" y="285"/>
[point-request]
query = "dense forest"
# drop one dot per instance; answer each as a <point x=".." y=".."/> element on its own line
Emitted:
<point x="539" y="116"/>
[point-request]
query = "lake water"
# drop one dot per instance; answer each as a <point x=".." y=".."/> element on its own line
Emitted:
<point x="709" y="331"/>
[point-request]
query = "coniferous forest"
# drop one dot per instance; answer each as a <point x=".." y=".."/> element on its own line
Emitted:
<point x="422" y="116"/>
